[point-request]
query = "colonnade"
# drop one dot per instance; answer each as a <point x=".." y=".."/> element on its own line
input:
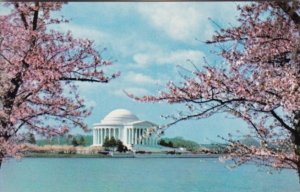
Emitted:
<point x="101" y="133"/>
<point x="135" y="136"/>
<point x="138" y="136"/>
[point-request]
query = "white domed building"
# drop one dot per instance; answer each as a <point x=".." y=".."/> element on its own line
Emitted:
<point x="125" y="126"/>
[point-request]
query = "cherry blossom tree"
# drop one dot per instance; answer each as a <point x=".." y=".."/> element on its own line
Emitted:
<point x="259" y="82"/>
<point x="38" y="70"/>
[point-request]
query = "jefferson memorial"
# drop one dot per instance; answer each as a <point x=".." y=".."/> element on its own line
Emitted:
<point x="125" y="126"/>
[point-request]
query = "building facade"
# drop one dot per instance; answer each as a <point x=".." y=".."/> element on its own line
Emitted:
<point x="125" y="126"/>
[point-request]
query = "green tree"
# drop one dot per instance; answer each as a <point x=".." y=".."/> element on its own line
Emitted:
<point x="106" y="143"/>
<point x="162" y="142"/>
<point x="30" y="138"/>
<point x="112" y="142"/>
<point x="170" y="144"/>
<point x="109" y="143"/>
<point x="166" y="143"/>
<point x="74" y="142"/>
<point x="69" y="138"/>
<point x="121" y="147"/>
<point x="81" y="141"/>
<point x="179" y="142"/>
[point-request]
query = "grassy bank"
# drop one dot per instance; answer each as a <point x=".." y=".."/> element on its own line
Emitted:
<point x="30" y="150"/>
<point x="57" y="155"/>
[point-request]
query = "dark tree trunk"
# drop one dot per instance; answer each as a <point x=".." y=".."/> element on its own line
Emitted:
<point x="297" y="150"/>
<point x="296" y="140"/>
<point x="298" y="161"/>
<point x="1" y="159"/>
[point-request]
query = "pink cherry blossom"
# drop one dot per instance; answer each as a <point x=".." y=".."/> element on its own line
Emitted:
<point x="259" y="84"/>
<point x="38" y="68"/>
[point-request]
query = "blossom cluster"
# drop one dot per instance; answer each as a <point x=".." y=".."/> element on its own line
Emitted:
<point x="259" y="83"/>
<point x="38" y="68"/>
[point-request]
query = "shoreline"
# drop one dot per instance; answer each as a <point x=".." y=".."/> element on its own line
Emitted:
<point x="118" y="155"/>
<point x="65" y="151"/>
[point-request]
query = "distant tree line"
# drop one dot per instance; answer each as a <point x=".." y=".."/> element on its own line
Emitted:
<point x="179" y="142"/>
<point x="30" y="138"/>
<point x="75" y="140"/>
<point x="162" y="142"/>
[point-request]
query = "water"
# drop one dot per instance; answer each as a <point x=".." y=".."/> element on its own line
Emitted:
<point x="139" y="175"/>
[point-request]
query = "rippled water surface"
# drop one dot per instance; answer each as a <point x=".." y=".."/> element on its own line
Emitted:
<point x="139" y="175"/>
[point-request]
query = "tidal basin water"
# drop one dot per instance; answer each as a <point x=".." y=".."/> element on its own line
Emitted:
<point x="139" y="175"/>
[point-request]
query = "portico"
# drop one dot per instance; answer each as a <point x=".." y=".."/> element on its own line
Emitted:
<point x="125" y="126"/>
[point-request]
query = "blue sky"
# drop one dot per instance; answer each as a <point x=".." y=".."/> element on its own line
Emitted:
<point x="147" y="42"/>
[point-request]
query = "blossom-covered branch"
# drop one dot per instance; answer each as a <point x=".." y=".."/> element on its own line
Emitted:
<point x="38" y="68"/>
<point x="258" y="83"/>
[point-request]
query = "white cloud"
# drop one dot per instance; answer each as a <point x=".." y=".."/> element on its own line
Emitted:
<point x="139" y="78"/>
<point x="137" y="91"/>
<point x="120" y="45"/>
<point x="135" y="83"/>
<point x="141" y="59"/>
<point x="82" y="32"/>
<point x="179" y="57"/>
<point x="132" y="82"/>
<point x="186" y="21"/>
<point x="179" y="23"/>
<point x="90" y="102"/>
<point x="130" y="44"/>
<point x="132" y="90"/>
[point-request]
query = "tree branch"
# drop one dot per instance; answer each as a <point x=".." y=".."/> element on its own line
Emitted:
<point x="276" y="116"/>
<point x="35" y="17"/>
<point x="82" y="79"/>
<point x="22" y="16"/>
<point x="194" y="115"/>
<point x="289" y="11"/>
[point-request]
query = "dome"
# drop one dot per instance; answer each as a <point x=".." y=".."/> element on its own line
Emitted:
<point x="119" y="116"/>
